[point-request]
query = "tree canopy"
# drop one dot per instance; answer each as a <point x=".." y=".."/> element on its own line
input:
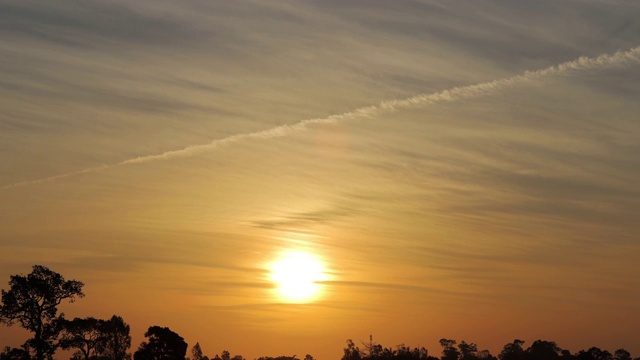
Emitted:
<point x="163" y="344"/>
<point x="33" y="300"/>
<point x="96" y="338"/>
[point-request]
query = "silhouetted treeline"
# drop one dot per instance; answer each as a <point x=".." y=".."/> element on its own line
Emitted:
<point x="452" y="350"/>
<point x="32" y="302"/>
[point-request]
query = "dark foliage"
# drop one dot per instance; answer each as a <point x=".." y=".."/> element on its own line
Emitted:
<point x="117" y="340"/>
<point x="163" y="344"/>
<point x="15" y="354"/>
<point x="96" y="339"/>
<point x="451" y="350"/>
<point x="33" y="300"/>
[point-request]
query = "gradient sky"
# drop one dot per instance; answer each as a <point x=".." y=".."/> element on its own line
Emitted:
<point x="465" y="169"/>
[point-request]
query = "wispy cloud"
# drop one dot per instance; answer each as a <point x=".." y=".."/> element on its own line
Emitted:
<point x="450" y="95"/>
<point x="84" y="23"/>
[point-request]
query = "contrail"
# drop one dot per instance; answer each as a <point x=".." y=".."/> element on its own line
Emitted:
<point x="453" y="94"/>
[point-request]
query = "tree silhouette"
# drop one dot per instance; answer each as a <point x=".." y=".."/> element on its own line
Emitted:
<point x="196" y="353"/>
<point x="351" y="352"/>
<point x="486" y="355"/>
<point x="86" y="335"/>
<point x="594" y="353"/>
<point x="15" y="354"/>
<point x="226" y="355"/>
<point x="117" y="339"/>
<point x="543" y="350"/>
<point x="163" y="344"/>
<point x="281" y="357"/>
<point x="33" y="301"/>
<point x="449" y="352"/>
<point x="96" y="338"/>
<point x="403" y="352"/>
<point x="512" y="351"/>
<point x="621" y="354"/>
<point x="468" y="351"/>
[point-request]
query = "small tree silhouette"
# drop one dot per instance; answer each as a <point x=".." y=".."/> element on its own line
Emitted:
<point x="163" y="344"/>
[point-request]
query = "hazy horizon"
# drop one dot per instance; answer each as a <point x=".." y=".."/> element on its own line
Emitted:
<point x="428" y="169"/>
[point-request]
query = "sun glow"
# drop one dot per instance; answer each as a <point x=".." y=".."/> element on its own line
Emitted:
<point x="297" y="276"/>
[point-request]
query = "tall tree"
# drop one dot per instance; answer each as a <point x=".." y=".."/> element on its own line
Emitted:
<point x="351" y="352"/>
<point x="196" y="353"/>
<point x="117" y="339"/>
<point x="449" y="351"/>
<point x="33" y="300"/>
<point x="468" y="351"/>
<point x="163" y="344"/>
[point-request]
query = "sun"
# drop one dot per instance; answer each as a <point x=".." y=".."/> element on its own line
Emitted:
<point x="297" y="276"/>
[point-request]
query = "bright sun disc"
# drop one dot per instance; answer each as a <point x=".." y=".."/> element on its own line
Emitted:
<point x="297" y="275"/>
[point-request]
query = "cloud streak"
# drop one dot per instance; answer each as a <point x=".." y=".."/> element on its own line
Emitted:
<point x="450" y="95"/>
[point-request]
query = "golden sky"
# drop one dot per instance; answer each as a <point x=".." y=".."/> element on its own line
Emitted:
<point x="457" y="169"/>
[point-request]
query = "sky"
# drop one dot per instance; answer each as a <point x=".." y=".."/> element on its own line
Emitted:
<point x="456" y="169"/>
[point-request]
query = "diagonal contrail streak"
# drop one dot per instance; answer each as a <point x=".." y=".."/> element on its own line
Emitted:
<point x="453" y="94"/>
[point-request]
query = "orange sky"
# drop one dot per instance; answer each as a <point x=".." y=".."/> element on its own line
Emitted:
<point x="466" y="170"/>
